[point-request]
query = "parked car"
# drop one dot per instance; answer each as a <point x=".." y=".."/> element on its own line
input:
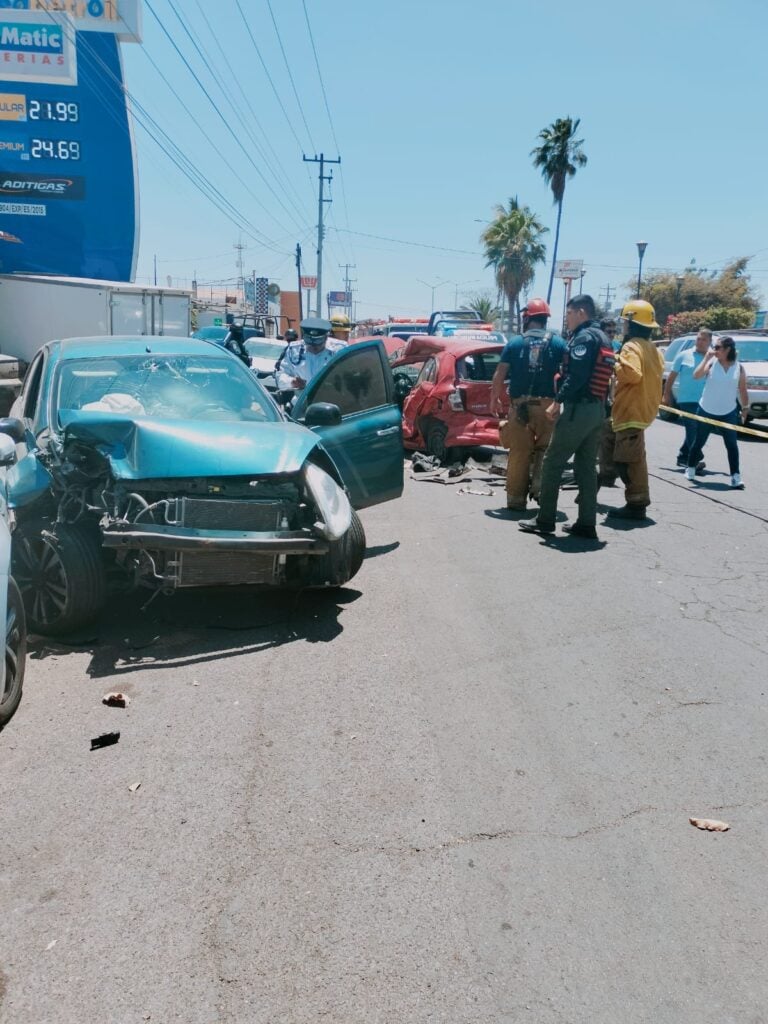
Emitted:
<point x="264" y="354"/>
<point x="163" y="463"/>
<point x="446" y="408"/>
<point x="11" y="606"/>
<point x="752" y="350"/>
<point x="403" y="329"/>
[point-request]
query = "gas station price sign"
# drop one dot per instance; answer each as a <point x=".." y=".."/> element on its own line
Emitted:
<point x="67" y="160"/>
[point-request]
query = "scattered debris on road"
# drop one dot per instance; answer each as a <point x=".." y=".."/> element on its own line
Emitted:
<point x="709" y="824"/>
<point x="473" y="490"/>
<point x="116" y="700"/>
<point x="107" y="739"/>
<point x="134" y="786"/>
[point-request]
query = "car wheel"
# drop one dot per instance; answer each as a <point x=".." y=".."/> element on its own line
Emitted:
<point x="15" y="654"/>
<point x="61" y="575"/>
<point x="435" y="440"/>
<point x="344" y="558"/>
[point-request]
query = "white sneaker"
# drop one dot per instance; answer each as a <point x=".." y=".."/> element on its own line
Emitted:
<point x="690" y="472"/>
<point x="736" y="482"/>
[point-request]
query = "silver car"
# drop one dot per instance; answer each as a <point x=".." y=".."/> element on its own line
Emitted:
<point x="752" y="351"/>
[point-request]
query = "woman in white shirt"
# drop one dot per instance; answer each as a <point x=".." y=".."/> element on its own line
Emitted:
<point x="725" y="387"/>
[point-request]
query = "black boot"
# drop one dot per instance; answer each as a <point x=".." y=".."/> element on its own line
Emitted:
<point x="628" y="512"/>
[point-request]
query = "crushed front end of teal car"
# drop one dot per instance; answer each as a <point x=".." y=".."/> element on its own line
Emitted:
<point x="162" y="463"/>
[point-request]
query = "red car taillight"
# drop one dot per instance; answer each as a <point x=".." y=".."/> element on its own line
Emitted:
<point x="457" y="400"/>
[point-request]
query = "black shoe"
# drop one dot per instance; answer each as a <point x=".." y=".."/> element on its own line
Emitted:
<point x="534" y="526"/>
<point x="628" y="512"/>
<point x="700" y="467"/>
<point x="580" y="530"/>
<point x="682" y="460"/>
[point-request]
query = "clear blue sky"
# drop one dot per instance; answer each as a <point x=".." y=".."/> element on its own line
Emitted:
<point x="436" y="105"/>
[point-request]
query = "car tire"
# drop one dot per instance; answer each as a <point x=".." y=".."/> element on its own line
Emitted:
<point x="15" y="654"/>
<point x="435" y="440"/>
<point x="61" y="575"/>
<point x="345" y="557"/>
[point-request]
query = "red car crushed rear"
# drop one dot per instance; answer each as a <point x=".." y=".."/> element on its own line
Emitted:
<point x="448" y="406"/>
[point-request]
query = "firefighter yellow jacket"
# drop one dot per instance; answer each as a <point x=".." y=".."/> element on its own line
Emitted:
<point x="639" y="369"/>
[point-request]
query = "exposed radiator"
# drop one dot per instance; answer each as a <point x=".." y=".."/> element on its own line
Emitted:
<point x="226" y="514"/>
<point x="227" y="568"/>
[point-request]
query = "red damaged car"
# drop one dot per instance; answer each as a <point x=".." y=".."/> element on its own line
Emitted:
<point x="447" y="387"/>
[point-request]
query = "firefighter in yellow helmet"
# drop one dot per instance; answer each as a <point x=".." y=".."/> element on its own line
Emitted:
<point x="341" y="327"/>
<point x="639" y="370"/>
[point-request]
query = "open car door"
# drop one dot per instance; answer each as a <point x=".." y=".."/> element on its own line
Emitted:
<point x="367" y="445"/>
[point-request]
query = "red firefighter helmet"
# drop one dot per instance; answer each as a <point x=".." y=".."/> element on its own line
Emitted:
<point x="536" y="307"/>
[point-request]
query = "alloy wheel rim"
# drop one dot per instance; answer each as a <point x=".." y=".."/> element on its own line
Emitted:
<point x="13" y="641"/>
<point x="42" y="578"/>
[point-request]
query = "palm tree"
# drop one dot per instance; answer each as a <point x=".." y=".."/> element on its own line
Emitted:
<point x="513" y="246"/>
<point x="483" y="303"/>
<point x="558" y="157"/>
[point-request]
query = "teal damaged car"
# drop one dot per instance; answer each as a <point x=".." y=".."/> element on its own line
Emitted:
<point x="162" y="463"/>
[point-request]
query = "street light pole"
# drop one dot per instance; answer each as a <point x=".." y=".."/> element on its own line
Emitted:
<point x="679" y="284"/>
<point x="433" y="287"/>
<point x="641" y="247"/>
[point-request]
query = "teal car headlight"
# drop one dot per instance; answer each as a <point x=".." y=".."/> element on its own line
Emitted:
<point x="331" y="501"/>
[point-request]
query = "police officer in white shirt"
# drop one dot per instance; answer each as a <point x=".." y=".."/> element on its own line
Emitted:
<point x="302" y="360"/>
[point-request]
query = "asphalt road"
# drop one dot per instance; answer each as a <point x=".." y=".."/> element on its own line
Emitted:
<point x="457" y="791"/>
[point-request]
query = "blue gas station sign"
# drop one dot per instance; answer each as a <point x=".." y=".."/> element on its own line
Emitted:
<point x="67" y="160"/>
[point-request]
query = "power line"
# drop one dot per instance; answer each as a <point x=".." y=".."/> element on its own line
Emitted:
<point x="250" y="110"/>
<point x="290" y="75"/>
<point x="215" y="106"/>
<point x="202" y="130"/>
<point x="167" y="145"/>
<point x="242" y="118"/>
<point x="401" y="241"/>
<point x="266" y="72"/>
<point x="328" y="112"/>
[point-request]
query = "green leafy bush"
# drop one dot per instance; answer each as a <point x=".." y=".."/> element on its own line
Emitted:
<point x="717" y="318"/>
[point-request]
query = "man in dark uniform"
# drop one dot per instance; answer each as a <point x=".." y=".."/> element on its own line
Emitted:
<point x="578" y="413"/>
<point x="530" y="360"/>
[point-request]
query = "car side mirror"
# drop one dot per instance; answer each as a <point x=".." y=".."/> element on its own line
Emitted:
<point x="13" y="428"/>
<point x="7" y="450"/>
<point x="322" y="414"/>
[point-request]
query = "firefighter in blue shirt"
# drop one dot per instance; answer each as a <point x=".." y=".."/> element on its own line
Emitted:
<point x="530" y="362"/>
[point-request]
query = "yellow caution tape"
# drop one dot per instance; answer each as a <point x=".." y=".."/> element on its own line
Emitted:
<point x="715" y="423"/>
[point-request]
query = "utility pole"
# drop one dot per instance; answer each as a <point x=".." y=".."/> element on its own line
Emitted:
<point x="298" y="280"/>
<point x="348" y="285"/>
<point x="608" y="290"/>
<point x="322" y="160"/>
<point x="155" y="268"/>
<point x="239" y="247"/>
